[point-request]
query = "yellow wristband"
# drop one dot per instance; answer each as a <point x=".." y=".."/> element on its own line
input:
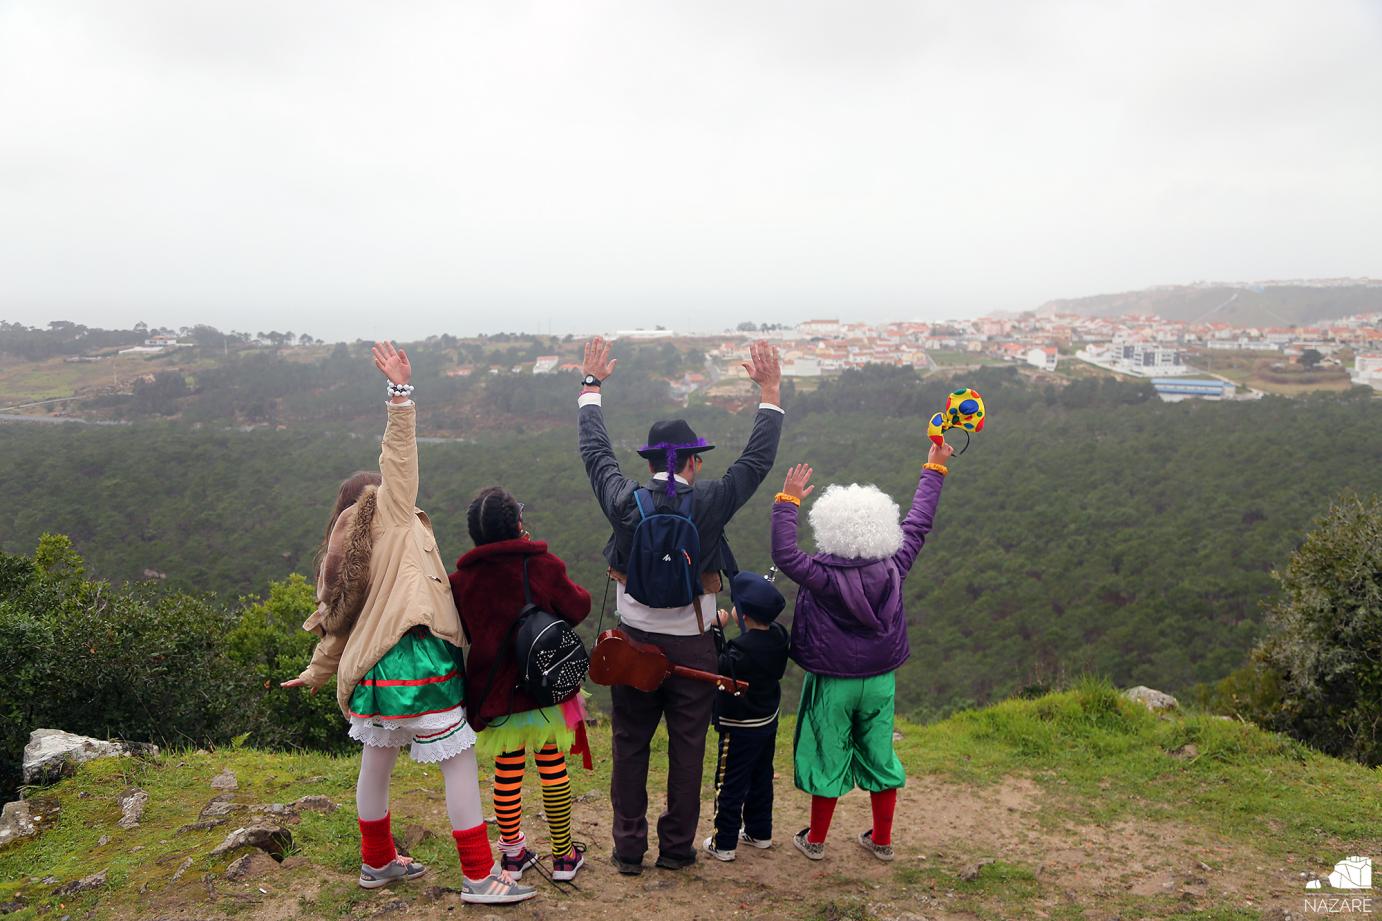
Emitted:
<point x="939" y="468"/>
<point x="783" y="497"/>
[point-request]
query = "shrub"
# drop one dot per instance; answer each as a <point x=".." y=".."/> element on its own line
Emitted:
<point x="134" y="662"/>
<point x="1326" y="634"/>
<point x="269" y="645"/>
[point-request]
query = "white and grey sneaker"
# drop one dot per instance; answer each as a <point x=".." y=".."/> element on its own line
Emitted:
<point x="751" y="841"/>
<point x="715" y="852"/>
<point x="396" y="869"/>
<point x="881" y="851"/>
<point x="494" y="890"/>
<point x="813" y="851"/>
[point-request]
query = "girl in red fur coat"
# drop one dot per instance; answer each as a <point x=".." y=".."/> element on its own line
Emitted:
<point x="488" y="587"/>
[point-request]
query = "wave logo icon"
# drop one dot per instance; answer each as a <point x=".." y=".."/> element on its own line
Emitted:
<point x="1349" y="873"/>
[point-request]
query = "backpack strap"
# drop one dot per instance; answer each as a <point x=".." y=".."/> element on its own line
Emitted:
<point x="638" y="500"/>
<point x="527" y="588"/>
<point x="506" y="646"/>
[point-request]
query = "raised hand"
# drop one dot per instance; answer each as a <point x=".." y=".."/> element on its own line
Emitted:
<point x="939" y="454"/>
<point x="797" y="478"/>
<point x="764" y="366"/>
<point x="392" y="362"/>
<point x="597" y="361"/>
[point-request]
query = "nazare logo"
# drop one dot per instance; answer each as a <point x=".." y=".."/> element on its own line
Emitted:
<point x="1349" y="873"/>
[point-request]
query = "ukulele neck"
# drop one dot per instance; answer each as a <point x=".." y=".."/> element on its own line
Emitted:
<point x="725" y="683"/>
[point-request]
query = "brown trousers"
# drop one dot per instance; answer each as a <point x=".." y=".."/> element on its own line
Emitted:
<point x="634" y="716"/>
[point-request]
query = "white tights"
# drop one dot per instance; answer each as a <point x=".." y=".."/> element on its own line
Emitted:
<point x="458" y="772"/>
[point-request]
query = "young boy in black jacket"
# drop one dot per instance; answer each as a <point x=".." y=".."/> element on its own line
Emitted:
<point x="748" y="723"/>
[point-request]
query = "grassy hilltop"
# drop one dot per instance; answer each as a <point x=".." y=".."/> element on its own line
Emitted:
<point x="1073" y="805"/>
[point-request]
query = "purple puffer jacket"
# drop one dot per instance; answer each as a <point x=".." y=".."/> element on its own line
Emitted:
<point x="849" y="620"/>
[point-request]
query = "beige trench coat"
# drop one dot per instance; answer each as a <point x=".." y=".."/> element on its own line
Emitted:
<point x="408" y="583"/>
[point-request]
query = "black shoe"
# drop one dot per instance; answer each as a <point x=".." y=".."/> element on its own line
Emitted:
<point x="668" y="862"/>
<point x="627" y="867"/>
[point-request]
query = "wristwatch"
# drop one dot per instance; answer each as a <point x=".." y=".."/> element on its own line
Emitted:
<point x="591" y="380"/>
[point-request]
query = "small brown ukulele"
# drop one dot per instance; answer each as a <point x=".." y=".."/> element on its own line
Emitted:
<point x="619" y="659"/>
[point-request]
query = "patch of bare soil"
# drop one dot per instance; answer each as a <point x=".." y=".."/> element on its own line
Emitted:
<point x="942" y="830"/>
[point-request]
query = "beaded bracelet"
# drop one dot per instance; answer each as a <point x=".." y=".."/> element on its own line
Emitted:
<point x="400" y="390"/>
<point x="784" y="497"/>
<point x="939" y="468"/>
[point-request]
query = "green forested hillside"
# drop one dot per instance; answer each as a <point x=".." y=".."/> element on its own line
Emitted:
<point x="1087" y="529"/>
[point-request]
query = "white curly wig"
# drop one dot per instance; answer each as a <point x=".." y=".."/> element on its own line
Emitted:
<point x="856" y="522"/>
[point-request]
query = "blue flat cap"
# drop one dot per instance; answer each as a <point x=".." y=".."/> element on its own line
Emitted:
<point x="756" y="597"/>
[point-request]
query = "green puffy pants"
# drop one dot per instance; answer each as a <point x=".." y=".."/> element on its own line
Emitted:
<point x="845" y="736"/>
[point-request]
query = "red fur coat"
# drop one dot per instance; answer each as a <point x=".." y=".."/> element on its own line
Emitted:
<point x="488" y="587"/>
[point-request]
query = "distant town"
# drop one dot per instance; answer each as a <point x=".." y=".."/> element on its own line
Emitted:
<point x="1182" y="359"/>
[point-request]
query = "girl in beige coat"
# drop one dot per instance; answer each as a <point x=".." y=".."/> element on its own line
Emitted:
<point x="391" y="635"/>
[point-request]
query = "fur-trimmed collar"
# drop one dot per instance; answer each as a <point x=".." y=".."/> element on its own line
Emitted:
<point x="346" y="596"/>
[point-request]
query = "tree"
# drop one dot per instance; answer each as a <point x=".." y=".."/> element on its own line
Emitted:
<point x="1311" y="358"/>
<point x="748" y="326"/>
<point x="1326" y="639"/>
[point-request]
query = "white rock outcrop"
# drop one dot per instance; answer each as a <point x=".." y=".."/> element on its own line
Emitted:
<point x="53" y="754"/>
<point x="1151" y="698"/>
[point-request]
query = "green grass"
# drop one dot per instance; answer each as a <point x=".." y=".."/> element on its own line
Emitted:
<point x="1095" y="757"/>
<point x="1106" y="759"/>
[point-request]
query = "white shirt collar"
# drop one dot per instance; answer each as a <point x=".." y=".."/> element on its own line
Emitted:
<point x="663" y="477"/>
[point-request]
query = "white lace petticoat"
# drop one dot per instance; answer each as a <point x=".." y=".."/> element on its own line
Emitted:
<point x="432" y="737"/>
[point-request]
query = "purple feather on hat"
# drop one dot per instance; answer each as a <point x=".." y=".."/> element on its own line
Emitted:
<point x="671" y="450"/>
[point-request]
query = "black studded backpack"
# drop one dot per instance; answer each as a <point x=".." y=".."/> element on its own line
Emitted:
<point x="552" y="660"/>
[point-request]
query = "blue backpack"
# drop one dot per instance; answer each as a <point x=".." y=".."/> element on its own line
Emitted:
<point x="665" y="560"/>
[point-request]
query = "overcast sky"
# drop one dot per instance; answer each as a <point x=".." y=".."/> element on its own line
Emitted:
<point x="368" y="169"/>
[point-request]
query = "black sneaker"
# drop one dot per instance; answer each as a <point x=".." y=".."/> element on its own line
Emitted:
<point x="627" y="867"/>
<point x="668" y="862"/>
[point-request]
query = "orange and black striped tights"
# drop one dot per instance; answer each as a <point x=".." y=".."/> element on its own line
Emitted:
<point x="556" y="795"/>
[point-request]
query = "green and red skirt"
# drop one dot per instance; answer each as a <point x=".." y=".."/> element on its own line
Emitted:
<point x="415" y="696"/>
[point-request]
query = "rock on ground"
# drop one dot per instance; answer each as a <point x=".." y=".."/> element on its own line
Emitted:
<point x="53" y="754"/>
<point x="95" y="881"/>
<point x="132" y="803"/>
<point x="314" y="803"/>
<point x="225" y="781"/>
<point x="16" y="822"/>
<point x="271" y="839"/>
<point x="1151" y="698"/>
<point x="25" y="818"/>
<point x="182" y="868"/>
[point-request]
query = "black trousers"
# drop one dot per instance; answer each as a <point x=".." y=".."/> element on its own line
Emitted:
<point x="634" y="716"/>
<point x="744" y="784"/>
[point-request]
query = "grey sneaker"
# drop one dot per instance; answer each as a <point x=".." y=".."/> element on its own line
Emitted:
<point x="715" y="852"/>
<point x="397" y="869"/>
<point x="813" y="851"/>
<point x="494" y="890"/>
<point x="881" y="851"/>
<point x="751" y="841"/>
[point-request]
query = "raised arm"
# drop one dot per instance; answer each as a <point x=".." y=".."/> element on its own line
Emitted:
<point x="398" y="452"/>
<point x="611" y="487"/>
<point x="743" y="477"/>
<point x="922" y="514"/>
<point x="787" y="555"/>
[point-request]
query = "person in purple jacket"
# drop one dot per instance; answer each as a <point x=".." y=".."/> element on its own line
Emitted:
<point x="849" y="634"/>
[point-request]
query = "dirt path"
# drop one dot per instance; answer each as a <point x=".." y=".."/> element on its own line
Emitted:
<point x="1046" y="868"/>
